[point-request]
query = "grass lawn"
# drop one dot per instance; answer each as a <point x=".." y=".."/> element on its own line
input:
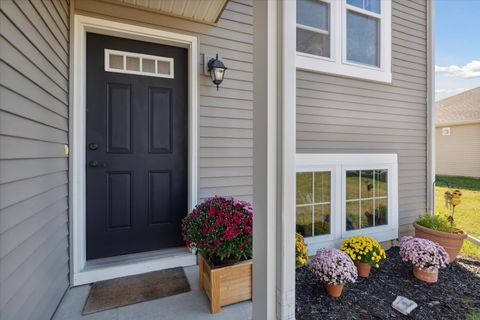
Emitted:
<point x="467" y="214"/>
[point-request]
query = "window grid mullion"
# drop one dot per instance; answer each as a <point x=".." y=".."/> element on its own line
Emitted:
<point x="364" y="11"/>
<point x="374" y="194"/>
<point x="313" y="29"/>
<point x="359" y="200"/>
<point x="313" y="206"/>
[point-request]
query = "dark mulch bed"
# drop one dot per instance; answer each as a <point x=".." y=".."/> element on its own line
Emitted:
<point x="456" y="294"/>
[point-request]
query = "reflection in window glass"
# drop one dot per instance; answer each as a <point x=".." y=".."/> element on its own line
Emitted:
<point x="133" y="64"/>
<point x="313" y="207"/>
<point x="304" y="220"/>
<point x="322" y="187"/>
<point x="304" y="188"/>
<point x="366" y="198"/>
<point x="116" y="61"/>
<point x="163" y="67"/>
<point x="353" y="215"/>
<point x="370" y="5"/>
<point x="313" y="43"/>
<point x="363" y="34"/>
<point x="313" y="13"/>
<point x="313" y="27"/>
<point x="353" y="186"/>
<point x="148" y="65"/>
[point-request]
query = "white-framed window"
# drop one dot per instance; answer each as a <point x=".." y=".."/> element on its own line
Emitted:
<point x="344" y="195"/>
<point x="139" y="64"/>
<point x="446" y="131"/>
<point x="346" y="37"/>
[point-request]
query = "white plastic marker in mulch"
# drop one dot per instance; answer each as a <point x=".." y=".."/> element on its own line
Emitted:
<point x="404" y="305"/>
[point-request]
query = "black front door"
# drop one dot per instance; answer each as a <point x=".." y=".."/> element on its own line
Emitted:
<point x="137" y="150"/>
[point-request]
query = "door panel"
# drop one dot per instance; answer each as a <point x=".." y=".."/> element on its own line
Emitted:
<point x="160" y="120"/>
<point x="137" y="151"/>
<point x="119" y="118"/>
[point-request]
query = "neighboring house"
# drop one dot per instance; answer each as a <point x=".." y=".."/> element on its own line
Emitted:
<point x="111" y="130"/>
<point x="457" y="122"/>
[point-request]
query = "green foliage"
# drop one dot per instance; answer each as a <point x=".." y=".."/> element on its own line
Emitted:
<point x="436" y="222"/>
<point x="475" y="315"/>
<point x="458" y="182"/>
<point x="467" y="214"/>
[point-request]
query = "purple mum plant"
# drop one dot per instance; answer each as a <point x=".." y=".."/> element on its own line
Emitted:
<point x="333" y="266"/>
<point x="423" y="253"/>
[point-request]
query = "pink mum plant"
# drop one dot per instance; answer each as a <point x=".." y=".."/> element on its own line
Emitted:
<point x="333" y="266"/>
<point x="423" y="253"/>
<point x="221" y="229"/>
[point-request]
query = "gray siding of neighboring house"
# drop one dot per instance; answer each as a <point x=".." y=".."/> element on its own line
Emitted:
<point x="33" y="168"/>
<point x="341" y="115"/>
<point x="458" y="154"/>
<point x="225" y="133"/>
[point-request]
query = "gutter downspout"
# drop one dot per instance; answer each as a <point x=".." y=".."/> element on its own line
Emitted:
<point x="431" y="106"/>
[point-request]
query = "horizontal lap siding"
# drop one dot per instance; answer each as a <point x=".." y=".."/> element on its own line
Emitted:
<point x="341" y="115"/>
<point x="225" y="116"/>
<point x="34" y="178"/>
<point x="459" y="153"/>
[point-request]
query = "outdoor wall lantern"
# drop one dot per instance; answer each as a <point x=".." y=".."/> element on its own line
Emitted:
<point x="217" y="70"/>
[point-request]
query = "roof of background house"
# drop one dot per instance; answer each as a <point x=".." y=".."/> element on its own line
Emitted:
<point x="458" y="109"/>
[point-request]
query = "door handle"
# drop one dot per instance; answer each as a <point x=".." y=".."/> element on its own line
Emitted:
<point x="93" y="146"/>
<point x="96" y="164"/>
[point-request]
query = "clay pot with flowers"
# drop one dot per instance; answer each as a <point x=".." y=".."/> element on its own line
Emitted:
<point x="220" y="231"/>
<point x="443" y="230"/>
<point x="334" y="268"/>
<point x="365" y="253"/>
<point x="426" y="257"/>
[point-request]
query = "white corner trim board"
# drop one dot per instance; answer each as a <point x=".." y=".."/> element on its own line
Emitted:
<point x="82" y="25"/>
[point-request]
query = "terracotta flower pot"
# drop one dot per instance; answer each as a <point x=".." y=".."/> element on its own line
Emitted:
<point x="363" y="269"/>
<point x="451" y="242"/>
<point x="425" y="275"/>
<point x="334" y="290"/>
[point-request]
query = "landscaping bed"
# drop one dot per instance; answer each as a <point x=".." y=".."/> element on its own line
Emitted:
<point x="455" y="296"/>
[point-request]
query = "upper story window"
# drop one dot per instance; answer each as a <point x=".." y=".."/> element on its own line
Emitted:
<point x="313" y="27"/>
<point x="347" y="37"/>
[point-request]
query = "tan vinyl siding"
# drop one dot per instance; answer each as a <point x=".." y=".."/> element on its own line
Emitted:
<point x="342" y="115"/>
<point x="459" y="153"/>
<point x="225" y="116"/>
<point x="34" y="179"/>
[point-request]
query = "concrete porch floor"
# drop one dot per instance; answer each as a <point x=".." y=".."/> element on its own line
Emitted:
<point x="193" y="305"/>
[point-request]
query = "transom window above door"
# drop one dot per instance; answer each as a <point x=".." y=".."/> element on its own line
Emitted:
<point x="345" y="37"/>
<point x="343" y="195"/>
<point x="140" y="64"/>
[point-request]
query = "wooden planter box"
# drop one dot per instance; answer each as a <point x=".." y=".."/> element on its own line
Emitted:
<point x="226" y="285"/>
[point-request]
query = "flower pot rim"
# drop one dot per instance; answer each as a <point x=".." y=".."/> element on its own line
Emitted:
<point x="358" y="261"/>
<point x="462" y="235"/>
<point x="426" y="269"/>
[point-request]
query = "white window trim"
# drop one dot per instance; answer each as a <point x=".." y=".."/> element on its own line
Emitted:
<point x="333" y="201"/>
<point x="337" y="63"/>
<point x="338" y="164"/>
<point x="140" y="56"/>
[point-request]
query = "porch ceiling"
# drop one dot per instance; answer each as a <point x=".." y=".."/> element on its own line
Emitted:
<point x="204" y="11"/>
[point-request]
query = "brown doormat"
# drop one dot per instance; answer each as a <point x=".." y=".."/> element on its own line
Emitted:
<point x="119" y="292"/>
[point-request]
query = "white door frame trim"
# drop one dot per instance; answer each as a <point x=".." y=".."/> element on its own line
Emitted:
<point x="77" y="162"/>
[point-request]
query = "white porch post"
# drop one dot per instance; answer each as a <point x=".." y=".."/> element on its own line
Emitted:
<point x="286" y="134"/>
<point x="274" y="159"/>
